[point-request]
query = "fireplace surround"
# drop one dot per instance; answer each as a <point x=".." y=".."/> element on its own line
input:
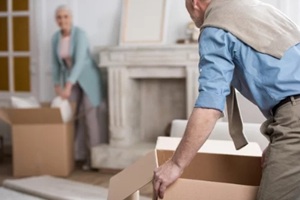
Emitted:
<point x="148" y="87"/>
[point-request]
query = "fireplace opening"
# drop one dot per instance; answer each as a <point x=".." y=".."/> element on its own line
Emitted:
<point x="155" y="103"/>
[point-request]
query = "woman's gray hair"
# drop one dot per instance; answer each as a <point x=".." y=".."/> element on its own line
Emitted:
<point x="63" y="7"/>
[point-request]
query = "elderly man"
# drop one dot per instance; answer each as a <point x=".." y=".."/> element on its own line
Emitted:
<point x="252" y="47"/>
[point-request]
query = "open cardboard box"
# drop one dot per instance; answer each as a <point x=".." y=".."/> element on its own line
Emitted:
<point x="41" y="142"/>
<point x="210" y="176"/>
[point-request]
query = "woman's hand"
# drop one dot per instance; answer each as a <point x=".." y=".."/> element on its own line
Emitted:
<point x="58" y="90"/>
<point x="66" y="93"/>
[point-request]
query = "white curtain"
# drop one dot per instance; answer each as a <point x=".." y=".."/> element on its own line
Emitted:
<point x="289" y="7"/>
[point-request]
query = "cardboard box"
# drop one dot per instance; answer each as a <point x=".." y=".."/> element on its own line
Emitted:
<point x="210" y="176"/>
<point x="42" y="143"/>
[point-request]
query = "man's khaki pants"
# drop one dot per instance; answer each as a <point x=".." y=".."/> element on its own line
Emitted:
<point x="281" y="168"/>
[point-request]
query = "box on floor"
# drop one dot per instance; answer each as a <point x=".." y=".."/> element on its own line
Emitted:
<point x="42" y="143"/>
<point x="212" y="176"/>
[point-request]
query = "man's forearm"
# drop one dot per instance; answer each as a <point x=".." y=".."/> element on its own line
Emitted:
<point x="199" y="127"/>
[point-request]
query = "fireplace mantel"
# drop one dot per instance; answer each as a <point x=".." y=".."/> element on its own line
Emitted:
<point x="134" y="72"/>
<point x="144" y="56"/>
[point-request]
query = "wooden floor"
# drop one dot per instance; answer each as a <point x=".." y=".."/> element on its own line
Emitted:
<point x="100" y="178"/>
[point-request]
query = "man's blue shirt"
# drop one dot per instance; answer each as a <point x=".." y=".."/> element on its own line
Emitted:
<point x="261" y="78"/>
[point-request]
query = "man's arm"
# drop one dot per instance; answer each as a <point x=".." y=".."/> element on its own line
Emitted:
<point x="216" y="71"/>
<point x="199" y="127"/>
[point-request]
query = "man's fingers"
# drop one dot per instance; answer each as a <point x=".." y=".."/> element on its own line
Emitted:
<point x="156" y="186"/>
<point x="156" y="183"/>
<point x="155" y="197"/>
<point x="161" y="191"/>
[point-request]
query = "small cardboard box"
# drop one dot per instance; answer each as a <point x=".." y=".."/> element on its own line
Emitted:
<point x="42" y="143"/>
<point x="210" y="176"/>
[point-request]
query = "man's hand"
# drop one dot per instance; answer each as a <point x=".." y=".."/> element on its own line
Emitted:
<point x="199" y="126"/>
<point x="164" y="176"/>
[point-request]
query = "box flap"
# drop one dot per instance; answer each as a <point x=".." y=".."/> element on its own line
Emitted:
<point x="132" y="178"/>
<point x="212" y="146"/>
<point x="34" y="115"/>
<point x="46" y="104"/>
<point x="4" y="116"/>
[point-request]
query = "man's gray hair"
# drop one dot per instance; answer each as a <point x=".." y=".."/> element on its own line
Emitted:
<point x="63" y="7"/>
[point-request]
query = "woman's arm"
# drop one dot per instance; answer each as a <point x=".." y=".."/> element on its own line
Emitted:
<point x="55" y="63"/>
<point x="80" y="56"/>
<point x="56" y="74"/>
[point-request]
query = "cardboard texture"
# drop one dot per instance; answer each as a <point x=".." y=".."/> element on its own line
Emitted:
<point x="42" y="143"/>
<point x="210" y="176"/>
<point x="128" y="181"/>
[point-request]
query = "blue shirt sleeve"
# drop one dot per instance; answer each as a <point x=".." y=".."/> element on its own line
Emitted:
<point x="216" y="68"/>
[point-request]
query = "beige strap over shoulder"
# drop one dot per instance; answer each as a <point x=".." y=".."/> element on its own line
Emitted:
<point x="259" y="25"/>
<point x="235" y="121"/>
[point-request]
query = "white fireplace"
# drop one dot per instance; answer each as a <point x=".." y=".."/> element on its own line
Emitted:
<point x="148" y="87"/>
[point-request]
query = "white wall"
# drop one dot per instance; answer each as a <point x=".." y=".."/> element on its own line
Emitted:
<point x="100" y="19"/>
<point x="289" y="7"/>
<point x="178" y="18"/>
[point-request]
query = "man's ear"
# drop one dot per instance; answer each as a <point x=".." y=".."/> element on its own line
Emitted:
<point x="196" y="4"/>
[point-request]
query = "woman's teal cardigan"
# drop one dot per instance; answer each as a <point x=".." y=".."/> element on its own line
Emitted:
<point x="84" y="70"/>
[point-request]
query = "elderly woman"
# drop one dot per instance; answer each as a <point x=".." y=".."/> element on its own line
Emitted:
<point x="77" y="78"/>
